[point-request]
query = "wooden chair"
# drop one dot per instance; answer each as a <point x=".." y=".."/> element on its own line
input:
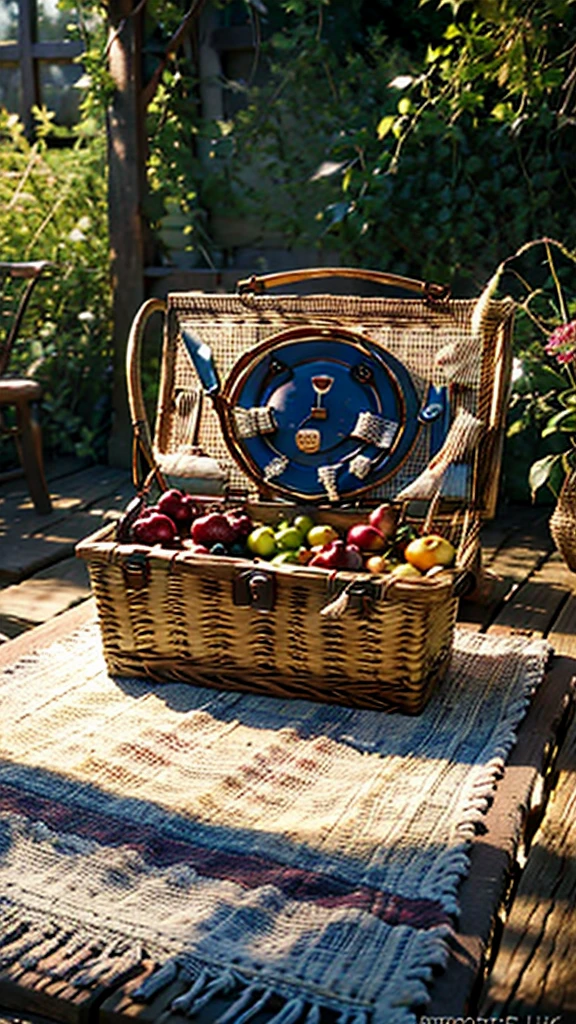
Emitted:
<point x="17" y="281"/>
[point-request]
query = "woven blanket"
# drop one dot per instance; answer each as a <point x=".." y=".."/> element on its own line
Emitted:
<point x="297" y="856"/>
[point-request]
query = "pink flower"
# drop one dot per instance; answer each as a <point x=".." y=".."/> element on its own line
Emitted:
<point x="562" y="343"/>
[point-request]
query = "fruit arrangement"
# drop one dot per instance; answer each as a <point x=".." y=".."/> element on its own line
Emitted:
<point x="380" y="544"/>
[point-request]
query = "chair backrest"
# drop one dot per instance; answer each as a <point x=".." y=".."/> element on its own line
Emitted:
<point x="17" y="281"/>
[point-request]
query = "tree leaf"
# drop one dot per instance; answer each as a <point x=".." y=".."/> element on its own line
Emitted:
<point x="384" y="126"/>
<point x="540" y="472"/>
<point x="568" y="398"/>
<point x="564" y="420"/>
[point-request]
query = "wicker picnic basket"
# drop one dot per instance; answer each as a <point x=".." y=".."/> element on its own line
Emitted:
<point x="418" y="389"/>
<point x="563" y="521"/>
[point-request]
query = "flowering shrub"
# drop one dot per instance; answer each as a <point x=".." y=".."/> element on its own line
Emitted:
<point x="561" y="346"/>
<point x="543" y="402"/>
<point x="562" y="343"/>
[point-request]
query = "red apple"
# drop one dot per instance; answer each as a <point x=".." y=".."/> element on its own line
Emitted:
<point x="154" y="528"/>
<point x="366" y="537"/>
<point x="353" y="557"/>
<point x="179" y="507"/>
<point x="212" y="528"/>
<point x="385" y="519"/>
<point x="332" y="556"/>
<point x="240" y="522"/>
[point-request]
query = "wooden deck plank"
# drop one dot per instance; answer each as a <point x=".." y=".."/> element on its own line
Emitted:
<point x="562" y="635"/>
<point x="534" y="970"/>
<point x="519" y="555"/>
<point x="32" y="991"/>
<point x="23" y="1017"/>
<point x="509" y="523"/>
<point x="495" y="854"/>
<point x="42" y="596"/>
<point x="29" y="543"/>
<point x="535" y="604"/>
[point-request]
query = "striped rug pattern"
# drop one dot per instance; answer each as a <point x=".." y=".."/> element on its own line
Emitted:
<point x="300" y="856"/>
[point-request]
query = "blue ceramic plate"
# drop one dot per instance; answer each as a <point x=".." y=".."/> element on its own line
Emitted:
<point x="320" y="414"/>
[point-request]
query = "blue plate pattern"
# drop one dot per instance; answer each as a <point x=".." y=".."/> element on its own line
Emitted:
<point x="340" y="414"/>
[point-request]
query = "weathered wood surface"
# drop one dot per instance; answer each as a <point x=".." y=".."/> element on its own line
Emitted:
<point x="29" y="542"/>
<point x="39" y="575"/>
<point x="16" y="1017"/>
<point x="534" y="593"/>
<point x="536" y="962"/>
<point x="48" y="593"/>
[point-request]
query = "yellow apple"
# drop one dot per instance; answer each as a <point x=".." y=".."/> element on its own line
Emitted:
<point x="377" y="563"/>
<point x="426" y="552"/>
<point x="320" y="535"/>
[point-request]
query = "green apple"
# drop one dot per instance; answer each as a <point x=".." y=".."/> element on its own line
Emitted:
<point x="286" y="558"/>
<point x="261" y="541"/>
<point x="288" y="538"/>
<point x="304" y="524"/>
<point x="321" y="534"/>
<point x="426" y="552"/>
<point x="406" y="571"/>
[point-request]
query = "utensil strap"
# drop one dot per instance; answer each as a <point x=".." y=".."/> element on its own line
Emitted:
<point x="258" y="284"/>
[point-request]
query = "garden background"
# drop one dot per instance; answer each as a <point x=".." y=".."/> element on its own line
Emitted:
<point x="431" y="139"/>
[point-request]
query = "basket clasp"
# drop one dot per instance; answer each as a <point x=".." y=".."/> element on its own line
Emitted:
<point x="256" y="589"/>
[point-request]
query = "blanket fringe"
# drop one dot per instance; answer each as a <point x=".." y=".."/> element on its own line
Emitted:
<point x="203" y="991"/>
<point x="247" y="1005"/>
<point x="183" y="1003"/>
<point x="156" y="981"/>
<point x="62" y="952"/>
<point x="291" y="1012"/>
<point x="253" y="995"/>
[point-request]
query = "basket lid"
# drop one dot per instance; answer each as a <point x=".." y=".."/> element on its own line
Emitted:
<point x="323" y="398"/>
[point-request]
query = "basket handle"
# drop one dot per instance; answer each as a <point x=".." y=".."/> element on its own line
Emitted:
<point x="142" y="437"/>
<point x="258" y="284"/>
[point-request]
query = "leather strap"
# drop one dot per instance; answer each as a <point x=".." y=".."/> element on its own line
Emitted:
<point x="258" y="285"/>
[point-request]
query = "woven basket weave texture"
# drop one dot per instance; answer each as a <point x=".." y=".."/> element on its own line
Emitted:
<point x="563" y="521"/>
<point x="436" y="344"/>
<point x="173" y="615"/>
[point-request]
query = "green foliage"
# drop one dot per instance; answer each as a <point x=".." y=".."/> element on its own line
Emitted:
<point x="288" y="161"/>
<point x="542" y="415"/>
<point x="53" y="206"/>
<point x="433" y="150"/>
<point x="429" y="138"/>
<point x="432" y="160"/>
